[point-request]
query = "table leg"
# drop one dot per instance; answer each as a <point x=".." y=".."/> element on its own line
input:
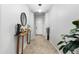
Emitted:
<point x="22" y="44"/>
<point x="27" y="38"/>
<point x="18" y="45"/>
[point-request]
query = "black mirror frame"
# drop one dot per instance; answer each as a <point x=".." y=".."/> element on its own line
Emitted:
<point x="25" y="18"/>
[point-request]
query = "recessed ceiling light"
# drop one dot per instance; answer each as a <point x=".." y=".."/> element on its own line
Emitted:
<point x="39" y="10"/>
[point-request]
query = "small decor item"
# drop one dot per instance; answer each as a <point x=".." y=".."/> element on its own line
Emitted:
<point x="23" y="19"/>
<point x="23" y="29"/>
<point x="18" y="29"/>
<point x="70" y="45"/>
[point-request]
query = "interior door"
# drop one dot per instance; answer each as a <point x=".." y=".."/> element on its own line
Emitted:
<point x="39" y="23"/>
<point x="39" y="26"/>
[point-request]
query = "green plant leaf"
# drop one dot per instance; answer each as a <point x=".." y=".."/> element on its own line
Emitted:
<point x="72" y="36"/>
<point x="67" y="47"/>
<point x="60" y="42"/>
<point x="72" y="44"/>
<point x="75" y="45"/>
<point x="65" y="50"/>
<point x="76" y="23"/>
<point x="62" y="47"/>
<point x="73" y="31"/>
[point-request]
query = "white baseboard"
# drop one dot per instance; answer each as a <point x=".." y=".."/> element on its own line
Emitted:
<point x="51" y="41"/>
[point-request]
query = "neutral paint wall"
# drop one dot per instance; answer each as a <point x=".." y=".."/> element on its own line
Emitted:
<point x="60" y="20"/>
<point x="31" y="23"/>
<point x="10" y="16"/>
<point x="0" y="26"/>
<point x="46" y="24"/>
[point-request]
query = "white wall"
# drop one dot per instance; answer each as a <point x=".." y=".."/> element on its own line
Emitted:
<point x="60" y="20"/>
<point x="10" y="16"/>
<point x="31" y="22"/>
<point x="46" y="24"/>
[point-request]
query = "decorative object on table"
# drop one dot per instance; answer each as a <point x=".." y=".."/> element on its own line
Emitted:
<point x="23" y="29"/>
<point x="18" y="29"/>
<point x="70" y="45"/>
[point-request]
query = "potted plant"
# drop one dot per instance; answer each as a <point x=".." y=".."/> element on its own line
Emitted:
<point x="70" y="45"/>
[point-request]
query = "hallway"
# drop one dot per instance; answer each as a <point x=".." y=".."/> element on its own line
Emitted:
<point x="50" y="20"/>
<point x="39" y="45"/>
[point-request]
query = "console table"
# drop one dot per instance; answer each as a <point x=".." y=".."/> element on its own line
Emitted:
<point x="22" y="34"/>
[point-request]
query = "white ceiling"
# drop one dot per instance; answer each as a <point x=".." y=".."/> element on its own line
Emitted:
<point x="43" y="8"/>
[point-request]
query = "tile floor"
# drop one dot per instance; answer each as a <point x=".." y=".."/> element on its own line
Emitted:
<point x="39" y="45"/>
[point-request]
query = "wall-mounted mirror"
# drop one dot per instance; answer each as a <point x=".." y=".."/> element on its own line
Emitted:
<point x="23" y="19"/>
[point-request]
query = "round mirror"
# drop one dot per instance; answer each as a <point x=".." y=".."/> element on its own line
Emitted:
<point x="23" y="19"/>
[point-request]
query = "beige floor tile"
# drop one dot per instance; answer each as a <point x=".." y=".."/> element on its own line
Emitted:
<point x="39" y="45"/>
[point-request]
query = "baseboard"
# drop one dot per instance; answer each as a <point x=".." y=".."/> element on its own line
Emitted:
<point x="51" y="41"/>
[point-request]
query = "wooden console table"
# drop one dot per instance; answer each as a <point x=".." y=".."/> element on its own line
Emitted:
<point x="18" y="40"/>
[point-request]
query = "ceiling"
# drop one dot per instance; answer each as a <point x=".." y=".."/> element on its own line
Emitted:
<point x="43" y="8"/>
